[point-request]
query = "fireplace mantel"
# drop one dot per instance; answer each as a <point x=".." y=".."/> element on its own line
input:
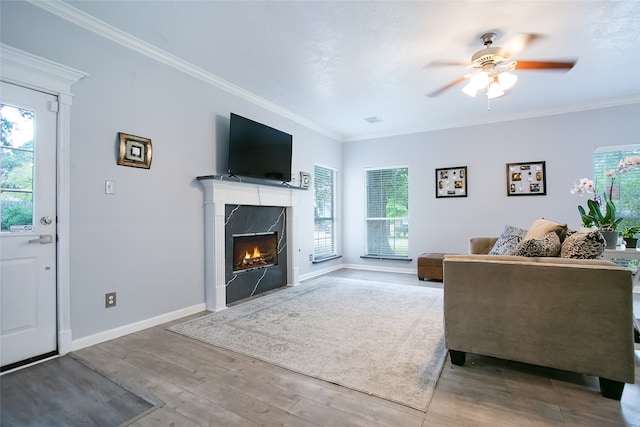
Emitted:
<point x="217" y="194"/>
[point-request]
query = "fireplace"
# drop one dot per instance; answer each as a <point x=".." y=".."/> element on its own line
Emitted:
<point x="224" y="203"/>
<point x="255" y="250"/>
<point x="251" y="251"/>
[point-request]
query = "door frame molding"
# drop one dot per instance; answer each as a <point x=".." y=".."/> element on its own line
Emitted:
<point x="33" y="72"/>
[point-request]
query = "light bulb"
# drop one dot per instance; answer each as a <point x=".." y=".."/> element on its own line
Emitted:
<point x="494" y="90"/>
<point x="507" y="80"/>
<point x="470" y="89"/>
<point x="480" y="80"/>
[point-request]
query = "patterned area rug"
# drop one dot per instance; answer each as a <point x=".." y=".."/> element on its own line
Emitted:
<point x="378" y="338"/>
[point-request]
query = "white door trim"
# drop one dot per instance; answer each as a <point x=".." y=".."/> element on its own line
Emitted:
<point x="33" y="72"/>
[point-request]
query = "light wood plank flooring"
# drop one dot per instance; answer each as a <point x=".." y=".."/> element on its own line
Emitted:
<point x="202" y="385"/>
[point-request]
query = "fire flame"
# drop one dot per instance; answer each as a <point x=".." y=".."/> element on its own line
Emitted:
<point x="256" y="254"/>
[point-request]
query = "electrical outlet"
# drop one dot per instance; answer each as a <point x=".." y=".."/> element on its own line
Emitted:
<point x="310" y="257"/>
<point x="110" y="300"/>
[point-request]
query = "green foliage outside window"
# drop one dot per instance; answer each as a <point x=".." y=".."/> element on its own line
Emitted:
<point x="16" y="171"/>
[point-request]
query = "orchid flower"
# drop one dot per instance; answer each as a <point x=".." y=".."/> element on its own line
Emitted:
<point x="585" y="186"/>
<point x="628" y="163"/>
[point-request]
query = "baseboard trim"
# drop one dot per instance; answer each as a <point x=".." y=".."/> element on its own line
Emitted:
<point x="384" y="269"/>
<point x="135" y="327"/>
<point x="320" y="272"/>
<point x="327" y="270"/>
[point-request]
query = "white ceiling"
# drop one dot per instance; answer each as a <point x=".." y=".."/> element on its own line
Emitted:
<point x="335" y="63"/>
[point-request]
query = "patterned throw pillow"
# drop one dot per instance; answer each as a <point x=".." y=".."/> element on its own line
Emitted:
<point x="583" y="245"/>
<point x="549" y="245"/>
<point x="508" y="241"/>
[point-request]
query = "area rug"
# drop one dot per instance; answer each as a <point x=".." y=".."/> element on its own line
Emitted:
<point x="378" y="338"/>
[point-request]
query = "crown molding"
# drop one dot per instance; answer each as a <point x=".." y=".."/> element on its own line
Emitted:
<point x="19" y="67"/>
<point x="608" y="103"/>
<point x="125" y="39"/>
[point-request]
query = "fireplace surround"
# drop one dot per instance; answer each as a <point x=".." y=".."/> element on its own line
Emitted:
<point x="219" y="192"/>
<point x="255" y="250"/>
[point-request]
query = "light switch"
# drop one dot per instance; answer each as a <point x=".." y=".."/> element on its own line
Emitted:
<point x="109" y="187"/>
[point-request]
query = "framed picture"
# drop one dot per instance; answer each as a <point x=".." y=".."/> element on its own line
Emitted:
<point x="526" y="179"/>
<point x="134" y="151"/>
<point x="451" y="182"/>
<point x="305" y="179"/>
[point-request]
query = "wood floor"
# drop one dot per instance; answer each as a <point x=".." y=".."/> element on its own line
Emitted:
<point x="202" y="385"/>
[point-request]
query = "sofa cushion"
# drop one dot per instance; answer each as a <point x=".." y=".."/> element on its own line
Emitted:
<point x="541" y="227"/>
<point x="588" y="245"/>
<point x="508" y="241"/>
<point x="549" y="245"/>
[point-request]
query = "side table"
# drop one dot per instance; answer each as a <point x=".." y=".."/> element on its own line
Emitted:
<point x="621" y="253"/>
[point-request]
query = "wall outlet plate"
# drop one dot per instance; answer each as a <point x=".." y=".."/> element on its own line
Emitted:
<point x="110" y="300"/>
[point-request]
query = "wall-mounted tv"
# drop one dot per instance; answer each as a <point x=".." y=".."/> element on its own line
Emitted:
<point x="258" y="151"/>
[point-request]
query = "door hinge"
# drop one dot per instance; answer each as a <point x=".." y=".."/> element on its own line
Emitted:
<point x="53" y="106"/>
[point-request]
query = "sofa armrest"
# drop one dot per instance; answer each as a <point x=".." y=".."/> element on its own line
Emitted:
<point x="481" y="245"/>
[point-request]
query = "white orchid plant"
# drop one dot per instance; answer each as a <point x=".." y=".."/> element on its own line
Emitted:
<point x="595" y="217"/>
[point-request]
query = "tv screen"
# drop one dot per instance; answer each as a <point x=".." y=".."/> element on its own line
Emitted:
<point x="258" y="151"/>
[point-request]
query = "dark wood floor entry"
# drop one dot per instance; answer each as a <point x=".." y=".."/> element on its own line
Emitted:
<point x="64" y="392"/>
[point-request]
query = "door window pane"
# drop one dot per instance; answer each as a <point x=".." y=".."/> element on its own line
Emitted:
<point x="16" y="168"/>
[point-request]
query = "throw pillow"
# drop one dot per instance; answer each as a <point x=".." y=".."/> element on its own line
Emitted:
<point x="588" y="245"/>
<point x="541" y="227"/>
<point x="549" y="245"/>
<point x="508" y="240"/>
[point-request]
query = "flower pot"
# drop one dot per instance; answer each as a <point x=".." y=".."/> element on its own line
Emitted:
<point x="611" y="237"/>
<point x="631" y="242"/>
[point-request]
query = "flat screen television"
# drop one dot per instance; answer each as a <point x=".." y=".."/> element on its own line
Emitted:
<point x="258" y="151"/>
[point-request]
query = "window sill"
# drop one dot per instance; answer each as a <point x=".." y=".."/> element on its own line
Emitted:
<point x="392" y="258"/>
<point x="325" y="259"/>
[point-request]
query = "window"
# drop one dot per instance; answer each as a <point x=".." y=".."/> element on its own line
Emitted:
<point x="387" y="212"/>
<point x="324" y="240"/>
<point x="625" y="191"/>
<point x="16" y="179"/>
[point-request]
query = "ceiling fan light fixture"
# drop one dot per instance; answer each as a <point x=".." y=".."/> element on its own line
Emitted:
<point x="480" y="80"/>
<point x="470" y="89"/>
<point x="494" y="90"/>
<point x="507" y="80"/>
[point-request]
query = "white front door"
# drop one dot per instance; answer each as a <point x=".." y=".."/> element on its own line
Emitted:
<point x="28" y="317"/>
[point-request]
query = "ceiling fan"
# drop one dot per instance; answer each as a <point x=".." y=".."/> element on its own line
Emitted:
<point x="492" y="65"/>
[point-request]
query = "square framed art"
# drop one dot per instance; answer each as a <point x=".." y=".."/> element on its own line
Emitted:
<point x="134" y="151"/>
<point x="526" y="179"/>
<point x="451" y="182"/>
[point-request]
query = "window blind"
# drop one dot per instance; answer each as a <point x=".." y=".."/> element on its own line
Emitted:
<point x="387" y="212"/>
<point x="324" y="242"/>
<point x="625" y="191"/>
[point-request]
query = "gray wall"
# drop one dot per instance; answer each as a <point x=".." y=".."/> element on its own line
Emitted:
<point x="564" y="141"/>
<point x="146" y="241"/>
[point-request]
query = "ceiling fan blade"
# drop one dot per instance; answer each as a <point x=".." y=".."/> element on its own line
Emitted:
<point x="446" y="64"/>
<point x="544" y="65"/>
<point x="517" y="43"/>
<point x="442" y="89"/>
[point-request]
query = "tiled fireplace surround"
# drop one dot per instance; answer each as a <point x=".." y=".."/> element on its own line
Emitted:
<point x="219" y="193"/>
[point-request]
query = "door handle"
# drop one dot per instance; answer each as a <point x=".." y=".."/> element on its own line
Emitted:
<point x="43" y="240"/>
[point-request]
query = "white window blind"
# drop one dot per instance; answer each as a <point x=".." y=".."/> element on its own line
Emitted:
<point x="387" y="214"/>
<point x="324" y="242"/>
<point x="625" y="191"/>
